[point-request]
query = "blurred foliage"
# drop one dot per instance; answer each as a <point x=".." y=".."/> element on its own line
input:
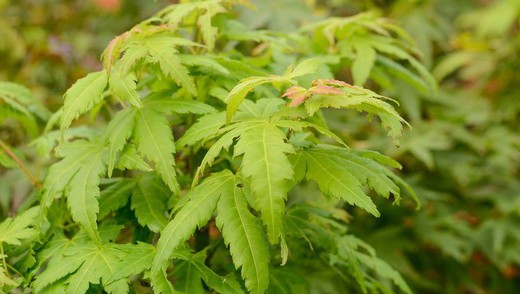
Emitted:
<point x="462" y="156"/>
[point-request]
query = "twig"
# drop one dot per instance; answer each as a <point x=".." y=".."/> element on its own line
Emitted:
<point x="3" y="260"/>
<point x="34" y="181"/>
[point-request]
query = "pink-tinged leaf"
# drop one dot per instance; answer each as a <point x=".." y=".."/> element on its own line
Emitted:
<point x="331" y="82"/>
<point x="326" y="90"/>
<point x="297" y="94"/>
<point x="113" y="51"/>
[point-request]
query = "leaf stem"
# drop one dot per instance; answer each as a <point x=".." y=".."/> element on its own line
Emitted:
<point x="4" y="263"/>
<point x="34" y="181"/>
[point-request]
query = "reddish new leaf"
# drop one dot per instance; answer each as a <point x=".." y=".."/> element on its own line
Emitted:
<point x="297" y="94"/>
<point x="326" y="90"/>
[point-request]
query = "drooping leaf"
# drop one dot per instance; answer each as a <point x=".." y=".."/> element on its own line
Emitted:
<point x="265" y="163"/>
<point x="84" y="191"/>
<point x="154" y="140"/>
<point x="361" y="99"/>
<point x="244" y="235"/>
<point x="334" y="178"/>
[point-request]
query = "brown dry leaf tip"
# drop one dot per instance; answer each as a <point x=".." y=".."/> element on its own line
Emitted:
<point x="297" y="94"/>
<point x="326" y="90"/>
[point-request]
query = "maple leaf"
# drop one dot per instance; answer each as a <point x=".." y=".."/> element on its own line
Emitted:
<point x="13" y="231"/>
<point x="244" y="235"/>
<point x="297" y="94"/>
<point x="194" y="212"/>
<point x="82" y="96"/>
<point x="266" y="164"/>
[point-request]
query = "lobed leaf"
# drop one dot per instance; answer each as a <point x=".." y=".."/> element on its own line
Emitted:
<point x="82" y="96"/>
<point x="13" y="231"/>
<point x="195" y="212"/>
<point x="154" y="140"/>
<point x="149" y="200"/>
<point x="265" y="163"/>
<point x="244" y="235"/>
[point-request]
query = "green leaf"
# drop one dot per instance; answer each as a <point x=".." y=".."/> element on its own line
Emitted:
<point x="335" y="178"/>
<point x="193" y="267"/>
<point x="132" y="160"/>
<point x="117" y="133"/>
<point x="239" y="92"/>
<point x="82" y="264"/>
<point x="367" y="171"/>
<point x="149" y="200"/>
<point x="80" y="170"/>
<point x="161" y="50"/>
<point x="265" y="163"/>
<point x="174" y="14"/>
<point x="308" y="66"/>
<point x="161" y="284"/>
<point x="363" y="63"/>
<point x="82" y="96"/>
<point x="224" y="142"/>
<point x="154" y="140"/>
<point x="204" y="61"/>
<point x="204" y="128"/>
<point x="244" y="235"/>
<point x="20" y="99"/>
<point x="124" y="86"/>
<point x="195" y="212"/>
<point x="115" y="196"/>
<point x="361" y="99"/>
<point x="188" y="279"/>
<point x="84" y="191"/>
<point x="131" y="57"/>
<point x="138" y="259"/>
<point x="13" y="231"/>
<point x="348" y="247"/>
<point x="5" y="280"/>
<point x="170" y="105"/>
<point x="209" y="33"/>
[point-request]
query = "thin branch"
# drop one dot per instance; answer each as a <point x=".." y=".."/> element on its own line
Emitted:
<point x="34" y="181"/>
<point x="3" y="260"/>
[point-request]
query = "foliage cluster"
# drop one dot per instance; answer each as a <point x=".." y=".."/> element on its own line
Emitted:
<point x="212" y="152"/>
